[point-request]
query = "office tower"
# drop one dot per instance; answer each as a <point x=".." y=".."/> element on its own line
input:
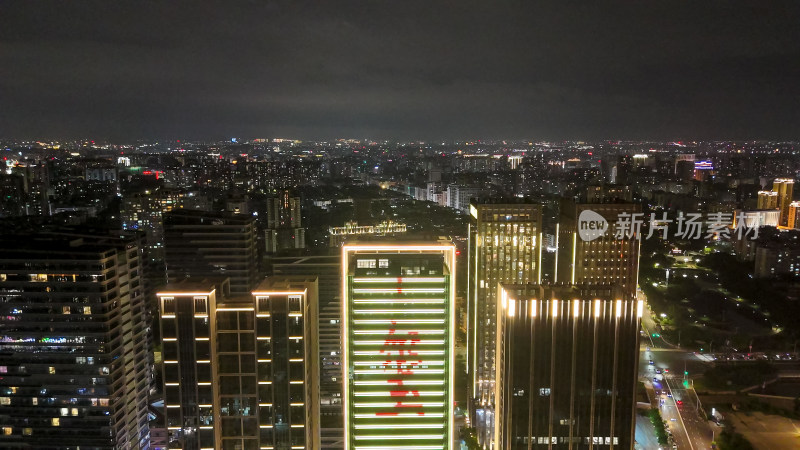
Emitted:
<point x="602" y="259"/>
<point x="784" y="187"/>
<point x="504" y="247"/>
<point x="351" y="230"/>
<point x="205" y="244"/>
<point x="398" y="328"/>
<point x="240" y="372"/>
<point x="794" y="215"/>
<point x="284" y="223"/>
<point x="74" y="365"/>
<point x="567" y="367"/>
<point x="767" y="200"/>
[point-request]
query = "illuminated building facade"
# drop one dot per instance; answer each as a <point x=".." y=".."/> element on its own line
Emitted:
<point x="767" y="200"/>
<point x="794" y="215"/>
<point x="338" y="235"/>
<point x="785" y="189"/>
<point x="240" y="372"/>
<point x="398" y="328"/>
<point x="284" y="223"/>
<point x="567" y="367"/>
<point x="504" y="247"/>
<point x="604" y="260"/>
<point x="143" y="212"/>
<point x="703" y="170"/>
<point x="74" y="341"/>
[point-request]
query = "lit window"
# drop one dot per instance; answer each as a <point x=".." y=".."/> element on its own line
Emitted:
<point x="365" y="264"/>
<point x="51" y="370"/>
<point x="383" y="263"/>
<point x="27" y="431"/>
<point x="87" y="309"/>
<point x="544" y="392"/>
<point x="7" y="431"/>
<point x="5" y="400"/>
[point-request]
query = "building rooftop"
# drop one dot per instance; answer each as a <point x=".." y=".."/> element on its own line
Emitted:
<point x="190" y="286"/>
<point x="283" y="283"/>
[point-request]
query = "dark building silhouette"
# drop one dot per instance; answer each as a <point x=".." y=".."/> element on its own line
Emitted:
<point x="566" y="367"/>
<point x="202" y="244"/>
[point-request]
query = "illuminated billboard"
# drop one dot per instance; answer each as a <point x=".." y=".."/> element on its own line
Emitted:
<point x="398" y="330"/>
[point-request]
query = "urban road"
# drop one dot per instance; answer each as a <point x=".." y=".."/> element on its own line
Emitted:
<point x="678" y="402"/>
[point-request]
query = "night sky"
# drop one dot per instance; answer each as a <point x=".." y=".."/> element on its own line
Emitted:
<point x="400" y="69"/>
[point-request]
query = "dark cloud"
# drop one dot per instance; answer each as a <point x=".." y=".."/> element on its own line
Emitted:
<point x="400" y="69"/>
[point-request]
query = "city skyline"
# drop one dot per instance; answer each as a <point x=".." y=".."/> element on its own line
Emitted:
<point x="416" y="225"/>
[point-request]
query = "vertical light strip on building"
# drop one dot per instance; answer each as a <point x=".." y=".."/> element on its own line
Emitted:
<point x="398" y="331"/>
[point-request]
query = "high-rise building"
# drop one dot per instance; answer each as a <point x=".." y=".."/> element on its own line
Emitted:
<point x="240" y="372"/>
<point x="327" y="269"/>
<point x="566" y="368"/>
<point x="74" y="343"/>
<point x="794" y="215"/>
<point x="284" y="223"/>
<point x="459" y="196"/>
<point x="609" y="257"/>
<point x="785" y="189"/>
<point x="504" y="247"/>
<point x="203" y="244"/>
<point x="398" y="328"/>
<point x="767" y="200"/>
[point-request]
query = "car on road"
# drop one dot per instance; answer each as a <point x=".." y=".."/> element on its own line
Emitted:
<point x="658" y="371"/>
<point x="651" y="362"/>
<point x="680" y="402"/>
